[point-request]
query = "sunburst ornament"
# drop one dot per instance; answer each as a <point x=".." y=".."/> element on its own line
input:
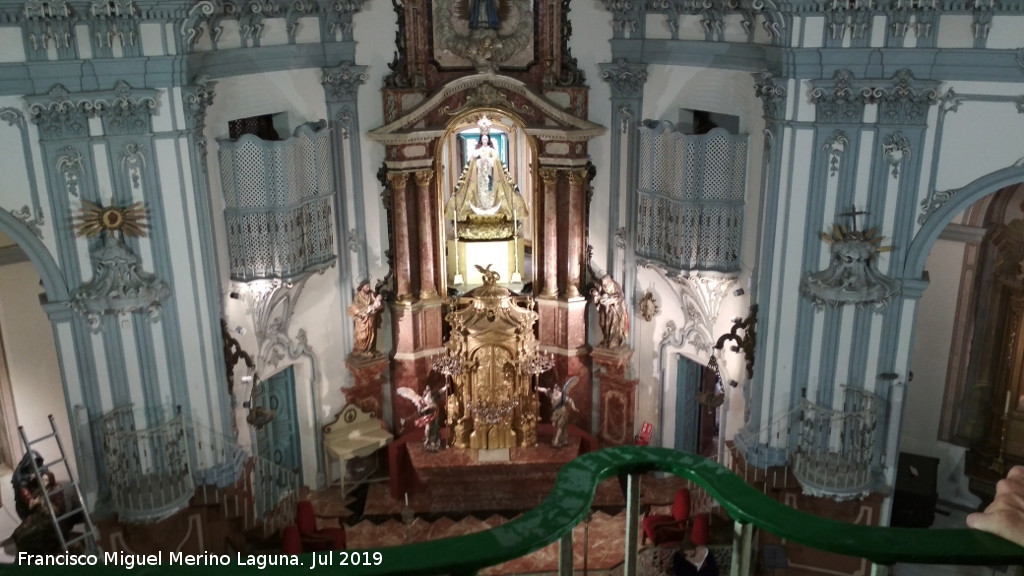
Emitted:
<point x="94" y="220"/>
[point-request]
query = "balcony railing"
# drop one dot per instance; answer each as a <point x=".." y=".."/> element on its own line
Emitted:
<point x="833" y="456"/>
<point x="158" y="460"/>
<point x="570" y="502"/>
<point x="148" y="466"/>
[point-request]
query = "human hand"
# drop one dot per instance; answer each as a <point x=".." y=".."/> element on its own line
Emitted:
<point x="1005" y="515"/>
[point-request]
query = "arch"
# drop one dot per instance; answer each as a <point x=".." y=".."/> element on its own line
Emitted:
<point x="53" y="280"/>
<point x="925" y="238"/>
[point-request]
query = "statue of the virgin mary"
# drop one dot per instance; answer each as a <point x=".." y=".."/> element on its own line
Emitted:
<point x="486" y="202"/>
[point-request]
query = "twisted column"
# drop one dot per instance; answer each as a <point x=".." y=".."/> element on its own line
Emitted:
<point x="428" y="287"/>
<point x="397" y="181"/>
<point x="549" y="177"/>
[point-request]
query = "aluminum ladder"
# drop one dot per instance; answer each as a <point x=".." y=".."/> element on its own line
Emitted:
<point x="74" y="503"/>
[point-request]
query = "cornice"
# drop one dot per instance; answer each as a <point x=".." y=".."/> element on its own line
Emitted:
<point x="404" y="129"/>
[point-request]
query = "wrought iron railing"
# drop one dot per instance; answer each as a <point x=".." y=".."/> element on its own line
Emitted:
<point x="259" y="492"/>
<point x="835" y="447"/>
<point x="157" y="460"/>
<point x="148" y="467"/>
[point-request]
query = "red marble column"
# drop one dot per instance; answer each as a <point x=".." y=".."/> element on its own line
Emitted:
<point x="549" y="177"/>
<point x="397" y="181"/>
<point x="574" y="259"/>
<point x="428" y="286"/>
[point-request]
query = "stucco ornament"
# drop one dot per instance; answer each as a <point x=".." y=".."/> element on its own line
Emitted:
<point x="119" y="284"/>
<point x="851" y="277"/>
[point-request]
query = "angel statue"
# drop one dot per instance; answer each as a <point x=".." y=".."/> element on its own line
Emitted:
<point x="559" y="402"/>
<point x="426" y="407"/>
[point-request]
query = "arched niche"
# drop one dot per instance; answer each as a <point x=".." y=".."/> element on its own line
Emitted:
<point x="493" y="230"/>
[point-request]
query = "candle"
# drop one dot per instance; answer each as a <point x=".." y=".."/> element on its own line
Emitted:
<point x="407" y="494"/>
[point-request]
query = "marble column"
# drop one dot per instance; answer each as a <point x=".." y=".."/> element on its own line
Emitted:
<point x="549" y="177"/>
<point x="574" y="258"/>
<point x="397" y="181"/>
<point x="428" y="282"/>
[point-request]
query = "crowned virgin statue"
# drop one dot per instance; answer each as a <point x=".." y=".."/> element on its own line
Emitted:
<point x="487" y="202"/>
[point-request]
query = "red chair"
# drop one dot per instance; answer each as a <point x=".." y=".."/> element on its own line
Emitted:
<point x="662" y="528"/>
<point x="701" y="530"/>
<point x="312" y="538"/>
<point x="291" y="540"/>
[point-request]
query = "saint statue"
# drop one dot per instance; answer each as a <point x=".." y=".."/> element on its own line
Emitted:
<point x="486" y="202"/>
<point x="611" y="311"/>
<point x="365" y="313"/>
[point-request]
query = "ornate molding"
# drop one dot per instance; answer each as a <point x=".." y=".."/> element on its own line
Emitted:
<point x="198" y="98"/>
<point x="339" y="16"/>
<point x="896" y="149"/>
<point x="851" y="276"/>
<point x="204" y="12"/>
<point x="123" y="110"/>
<point x="126" y="110"/>
<point x="700" y="298"/>
<point x="119" y="285"/>
<point x="837" y="101"/>
<point x="772" y="95"/>
<point x="487" y="95"/>
<point x="33" y="224"/>
<point x="626" y="78"/>
<point x="936" y="199"/>
<point x="905" y="101"/>
<point x="626" y="15"/>
<point x="46" y="23"/>
<point x="835" y="146"/>
<point x="251" y="17"/>
<point x="341" y="83"/>
<point x="71" y="168"/>
<point x="114" y="22"/>
<point x="842" y="100"/>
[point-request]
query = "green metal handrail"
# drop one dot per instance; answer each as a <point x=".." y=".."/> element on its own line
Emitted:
<point x="570" y="502"/>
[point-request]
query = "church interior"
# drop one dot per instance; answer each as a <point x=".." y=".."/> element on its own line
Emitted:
<point x="352" y="274"/>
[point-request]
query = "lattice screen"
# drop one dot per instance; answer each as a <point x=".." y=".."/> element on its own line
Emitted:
<point x="691" y="190"/>
<point x="278" y="204"/>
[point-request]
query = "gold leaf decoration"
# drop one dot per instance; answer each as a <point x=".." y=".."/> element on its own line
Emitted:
<point x="94" y="220"/>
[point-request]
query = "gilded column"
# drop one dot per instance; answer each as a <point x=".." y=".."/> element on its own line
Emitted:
<point x="550" y="178"/>
<point x="397" y="181"/>
<point x="428" y="286"/>
<point x="574" y="259"/>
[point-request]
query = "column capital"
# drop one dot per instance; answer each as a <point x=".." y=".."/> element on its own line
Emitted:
<point x="397" y="180"/>
<point x="771" y="93"/>
<point x="423" y="178"/>
<point x="626" y="78"/>
<point x="549" y="175"/>
<point x="578" y="176"/>
<point x="341" y="82"/>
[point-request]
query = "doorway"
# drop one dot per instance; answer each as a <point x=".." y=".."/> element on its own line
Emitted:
<point x="696" y="425"/>
<point x="278" y="441"/>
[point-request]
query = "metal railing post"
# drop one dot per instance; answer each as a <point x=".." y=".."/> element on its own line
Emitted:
<point x="565" y="555"/>
<point x="741" y="549"/>
<point x="632" y="522"/>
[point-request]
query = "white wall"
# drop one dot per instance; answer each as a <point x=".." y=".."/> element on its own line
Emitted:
<point x="923" y="404"/>
<point x="32" y="361"/>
